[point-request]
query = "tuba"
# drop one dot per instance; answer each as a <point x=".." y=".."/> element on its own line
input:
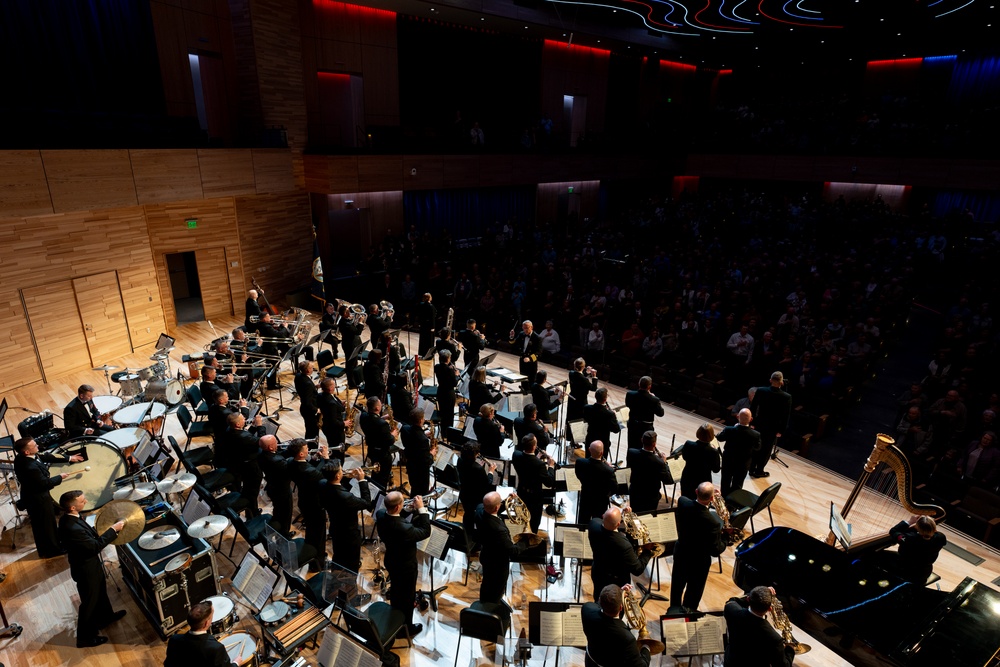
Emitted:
<point x="518" y="513"/>
<point x="784" y="627"/>
<point x="636" y="618"/>
<point x="387" y="309"/>
<point x="730" y="535"/>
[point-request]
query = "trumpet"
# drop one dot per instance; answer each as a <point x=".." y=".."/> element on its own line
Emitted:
<point x="409" y="503"/>
<point x="368" y="470"/>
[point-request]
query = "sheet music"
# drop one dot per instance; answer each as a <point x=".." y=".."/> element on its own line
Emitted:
<point x="507" y="375"/>
<point x="500" y="405"/>
<point x="507" y="450"/>
<point x="516" y="402"/>
<point x="443" y="457"/>
<point x="568" y="475"/>
<point x="428" y="407"/>
<point x="338" y="649"/>
<point x="701" y="637"/>
<point x="623" y="475"/>
<point x="195" y="509"/>
<point x="622" y="413"/>
<point x="553" y="451"/>
<point x="676" y="467"/>
<point x="578" y="429"/>
<point x="550" y="628"/>
<point x="576" y="544"/>
<point x="470" y="427"/>
<point x="562" y="628"/>
<point x="435" y="544"/>
<point x="662" y="528"/>
<point x="254" y="581"/>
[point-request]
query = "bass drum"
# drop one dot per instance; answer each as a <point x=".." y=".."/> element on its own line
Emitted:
<point x="169" y="391"/>
<point x="106" y="465"/>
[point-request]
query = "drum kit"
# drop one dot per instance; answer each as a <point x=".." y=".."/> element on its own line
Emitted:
<point x="159" y="385"/>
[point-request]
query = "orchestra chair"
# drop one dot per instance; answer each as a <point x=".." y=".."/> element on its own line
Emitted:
<point x="192" y="429"/>
<point x="485" y="621"/>
<point x="741" y="498"/>
<point x="251" y="531"/>
<point x="213" y="480"/>
<point x="219" y="504"/>
<point x="197" y="401"/>
<point x="737" y="519"/>
<point x="448" y="477"/>
<point x="325" y="361"/>
<point x="377" y="626"/>
<point x="199" y="456"/>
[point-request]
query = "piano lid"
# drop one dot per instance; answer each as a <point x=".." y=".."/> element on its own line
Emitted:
<point x="901" y="621"/>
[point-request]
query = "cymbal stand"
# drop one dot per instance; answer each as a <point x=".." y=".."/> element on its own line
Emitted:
<point x="774" y="454"/>
<point x="107" y="378"/>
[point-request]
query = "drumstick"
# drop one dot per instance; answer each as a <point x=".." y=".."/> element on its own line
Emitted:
<point x="304" y="630"/>
<point x="77" y="472"/>
<point x="176" y="553"/>
<point x="296" y="623"/>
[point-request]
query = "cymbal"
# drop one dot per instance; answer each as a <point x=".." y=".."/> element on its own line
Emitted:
<point x="118" y="510"/>
<point x="154" y="539"/>
<point x="532" y="539"/>
<point x="105" y="368"/>
<point x="141" y="490"/>
<point x="159" y="356"/>
<point x="209" y="526"/>
<point x="176" y="483"/>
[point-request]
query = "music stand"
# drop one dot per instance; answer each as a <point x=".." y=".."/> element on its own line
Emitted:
<point x="579" y="549"/>
<point x="694" y="634"/>
<point x="662" y="529"/>
<point x="436" y="546"/>
<point x="280" y="550"/>
<point x="341" y="647"/>
<point x="571" y="626"/>
<point x="255" y="580"/>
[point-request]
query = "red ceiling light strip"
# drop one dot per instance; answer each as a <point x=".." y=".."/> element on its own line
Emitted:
<point x="899" y="62"/>
<point x="333" y="75"/>
<point x="344" y="7"/>
<point x="681" y="67"/>
<point x="577" y="47"/>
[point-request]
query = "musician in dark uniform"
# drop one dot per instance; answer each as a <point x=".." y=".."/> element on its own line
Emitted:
<point x="476" y="480"/>
<point x="643" y="408"/>
<point x="83" y="549"/>
<point x="426" y="316"/>
<point x="753" y="641"/>
<point x="489" y="433"/>
<point x="597" y="482"/>
<point x="701" y="459"/>
<point x="211" y="380"/>
<point x="224" y="356"/>
<point x="527" y="345"/>
<point x="699" y="540"/>
<point x="350" y="339"/>
<point x="480" y="392"/>
<point x="601" y="420"/>
<point x="609" y="641"/>
<point x="581" y="382"/>
<point x="532" y="474"/>
<point x="529" y="424"/>
<point x="400" y="539"/>
<point x="771" y="408"/>
<point x="252" y="311"/>
<point x="342" y="507"/>
<point x="80" y="416"/>
<point x="241" y="451"/>
<point x="32" y="471"/>
<point x="498" y="549"/>
<point x="419" y="453"/>
<point x="741" y="443"/>
<point x="446" y="374"/>
<point x="334" y="414"/>
<point x="381" y="439"/>
<point x="649" y="472"/>
<point x="374" y="370"/>
<point x="378" y="323"/>
<point x="308" y="406"/>
<point x="546" y="400"/>
<point x="473" y="342"/>
<point x="197" y="646"/>
<point x="328" y="323"/>
<point x="270" y="347"/>
<point x="615" y="559"/>
<point x="446" y="342"/>
<point x="307" y="478"/>
<point x="274" y="467"/>
<point x="218" y="413"/>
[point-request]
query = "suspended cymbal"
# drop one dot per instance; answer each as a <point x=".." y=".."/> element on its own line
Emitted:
<point x="176" y="483"/>
<point x="141" y="490"/>
<point x="154" y="539"/>
<point x="209" y="526"/>
<point x="159" y="356"/>
<point x="105" y="368"/>
<point x="117" y="510"/>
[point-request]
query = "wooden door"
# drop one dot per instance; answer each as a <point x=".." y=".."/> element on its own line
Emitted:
<point x="214" y="279"/>
<point x="99" y="299"/>
<point x="56" y="328"/>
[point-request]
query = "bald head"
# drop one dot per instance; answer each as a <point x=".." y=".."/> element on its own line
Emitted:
<point x="268" y="443"/>
<point x="394" y="502"/>
<point x="745" y="417"/>
<point x="705" y="492"/>
<point x="596" y="449"/>
<point x="491" y="502"/>
<point x="612" y="518"/>
<point x="253" y="294"/>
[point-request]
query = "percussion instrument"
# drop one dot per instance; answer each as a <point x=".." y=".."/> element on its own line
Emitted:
<point x="223" y="614"/>
<point x="177" y="563"/>
<point x="166" y="390"/>
<point x="106" y="405"/>
<point x="159" y="369"/>
<point x="105" y="368"/>
<point x="155" y="539"/>
<point x="131" y="414"/>
<point x="242" y="648"/>
<point x="176" y="483"/>
<point x="106" y="465"/>
<point x="121" y="510"/>
<point x="137" y="492"/>
<point x="146" y="374"/>
<point x="125" y="439"/>
<point x="131" y="385"/>
<point x="208" y="527"/>
<point x="118" y="375"/>
<point x="274" y="613"/>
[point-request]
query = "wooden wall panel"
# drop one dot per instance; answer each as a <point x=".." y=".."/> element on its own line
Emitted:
<point x="166" y="175"/>
<point x="139" y="291"/>
<point x="272" y="170"/>
<point x="56" y="327"/>
<point x="226" y="172"/>
<point x="384" y="172"/>
<point x="214" y="279"/>
<point x="278" y="49"/>
<point x="17" y="355"/>
<point x="99" y="301"/>
<point x="23" y="188"/>
<point x="281" y="264"/>
<point x="381" y="79"/>
<point x="88" y="179"/>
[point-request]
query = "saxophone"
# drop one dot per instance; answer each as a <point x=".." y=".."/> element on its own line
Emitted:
<point x="784" y="627"/>
<point x="393" y="424"/>
<point x="351" y="413"/>
<point x="636" y="619"/>
<point x="730" y="535"/>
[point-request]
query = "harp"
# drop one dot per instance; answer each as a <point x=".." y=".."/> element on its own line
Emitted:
<point x="882" y="496"/>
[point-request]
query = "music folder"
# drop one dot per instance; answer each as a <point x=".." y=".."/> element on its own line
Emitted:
<point x="693" y="634"/>
<point x="556" y="624"/>
<point x="571" y="541"/>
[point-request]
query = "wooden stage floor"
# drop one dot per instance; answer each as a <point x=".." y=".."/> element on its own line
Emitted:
<point x="40" y="596"/>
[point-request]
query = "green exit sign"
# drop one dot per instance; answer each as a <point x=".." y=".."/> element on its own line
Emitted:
<point x="571" y="189"/>
<point x="192" y="224"/>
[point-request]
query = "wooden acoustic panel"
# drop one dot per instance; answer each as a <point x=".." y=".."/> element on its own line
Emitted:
<point x="226" y="172"/>
<point x="89" y="179"/>
<point x="100" y="302"/>
<point x="57" y="329"/>
<point x="214" y="279"/>
<point x="280" y="265"/>
<point x="141" y="299"/>
<point x="23" y="188"/>
<point x="272" y="169"/>
<point x="17" y="356"/>
<point x="166" y="175"/>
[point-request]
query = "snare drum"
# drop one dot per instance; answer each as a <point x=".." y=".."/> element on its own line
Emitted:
<point x="131" y="414"/>
<point x="243" y="649"/>
<point x="106" y="465"/>
<point x="223" y="614"/>
<point x="106" y="405"/>
<point x="169" y="391"/>
<point x="131" y="386"/>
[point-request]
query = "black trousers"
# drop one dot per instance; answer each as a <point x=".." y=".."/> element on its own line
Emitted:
<point x="494" y="583"/>
<point x="403" y="591"/>
<point x="763" y="455"/>
<point x="281" y="512"/>
<point x="250" y="481"/>
<point x="446" y="410"/>
<point x="733" y="476"/>
<point x="689" y="577"/>
<point x="315" y="520"/>
<point x="42" y="512"/>
<point x="420" y="479"/>
<point x="95" y="607"/>
<point x="346" y="547"/>
<point x="311" y="420"/>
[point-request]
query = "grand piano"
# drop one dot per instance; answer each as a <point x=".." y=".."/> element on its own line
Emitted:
<point x="866" y="615"/>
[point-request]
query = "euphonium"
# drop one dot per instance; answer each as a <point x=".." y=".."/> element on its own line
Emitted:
<point x="387" y="309"/>
<point x="638" y="532"/>
<point x="518" y="513"/>
<point x="357" y="313"/>
<point x="730" y="535"/>
<point x="636" y="618"/>
<point x="784" y="627"/>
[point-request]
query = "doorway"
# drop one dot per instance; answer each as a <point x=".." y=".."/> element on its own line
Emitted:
<point x="185" y="287"/>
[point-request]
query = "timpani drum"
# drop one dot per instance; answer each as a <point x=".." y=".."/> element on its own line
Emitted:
<point x="223" y="614"/>
<point x="126" y="439"/>
<point x="166" y="390"/>
<point x="131" y="415"/>
<point x="107" y="405"/>
<point x="242" y="648"/>
<point x="106" y="465"/>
